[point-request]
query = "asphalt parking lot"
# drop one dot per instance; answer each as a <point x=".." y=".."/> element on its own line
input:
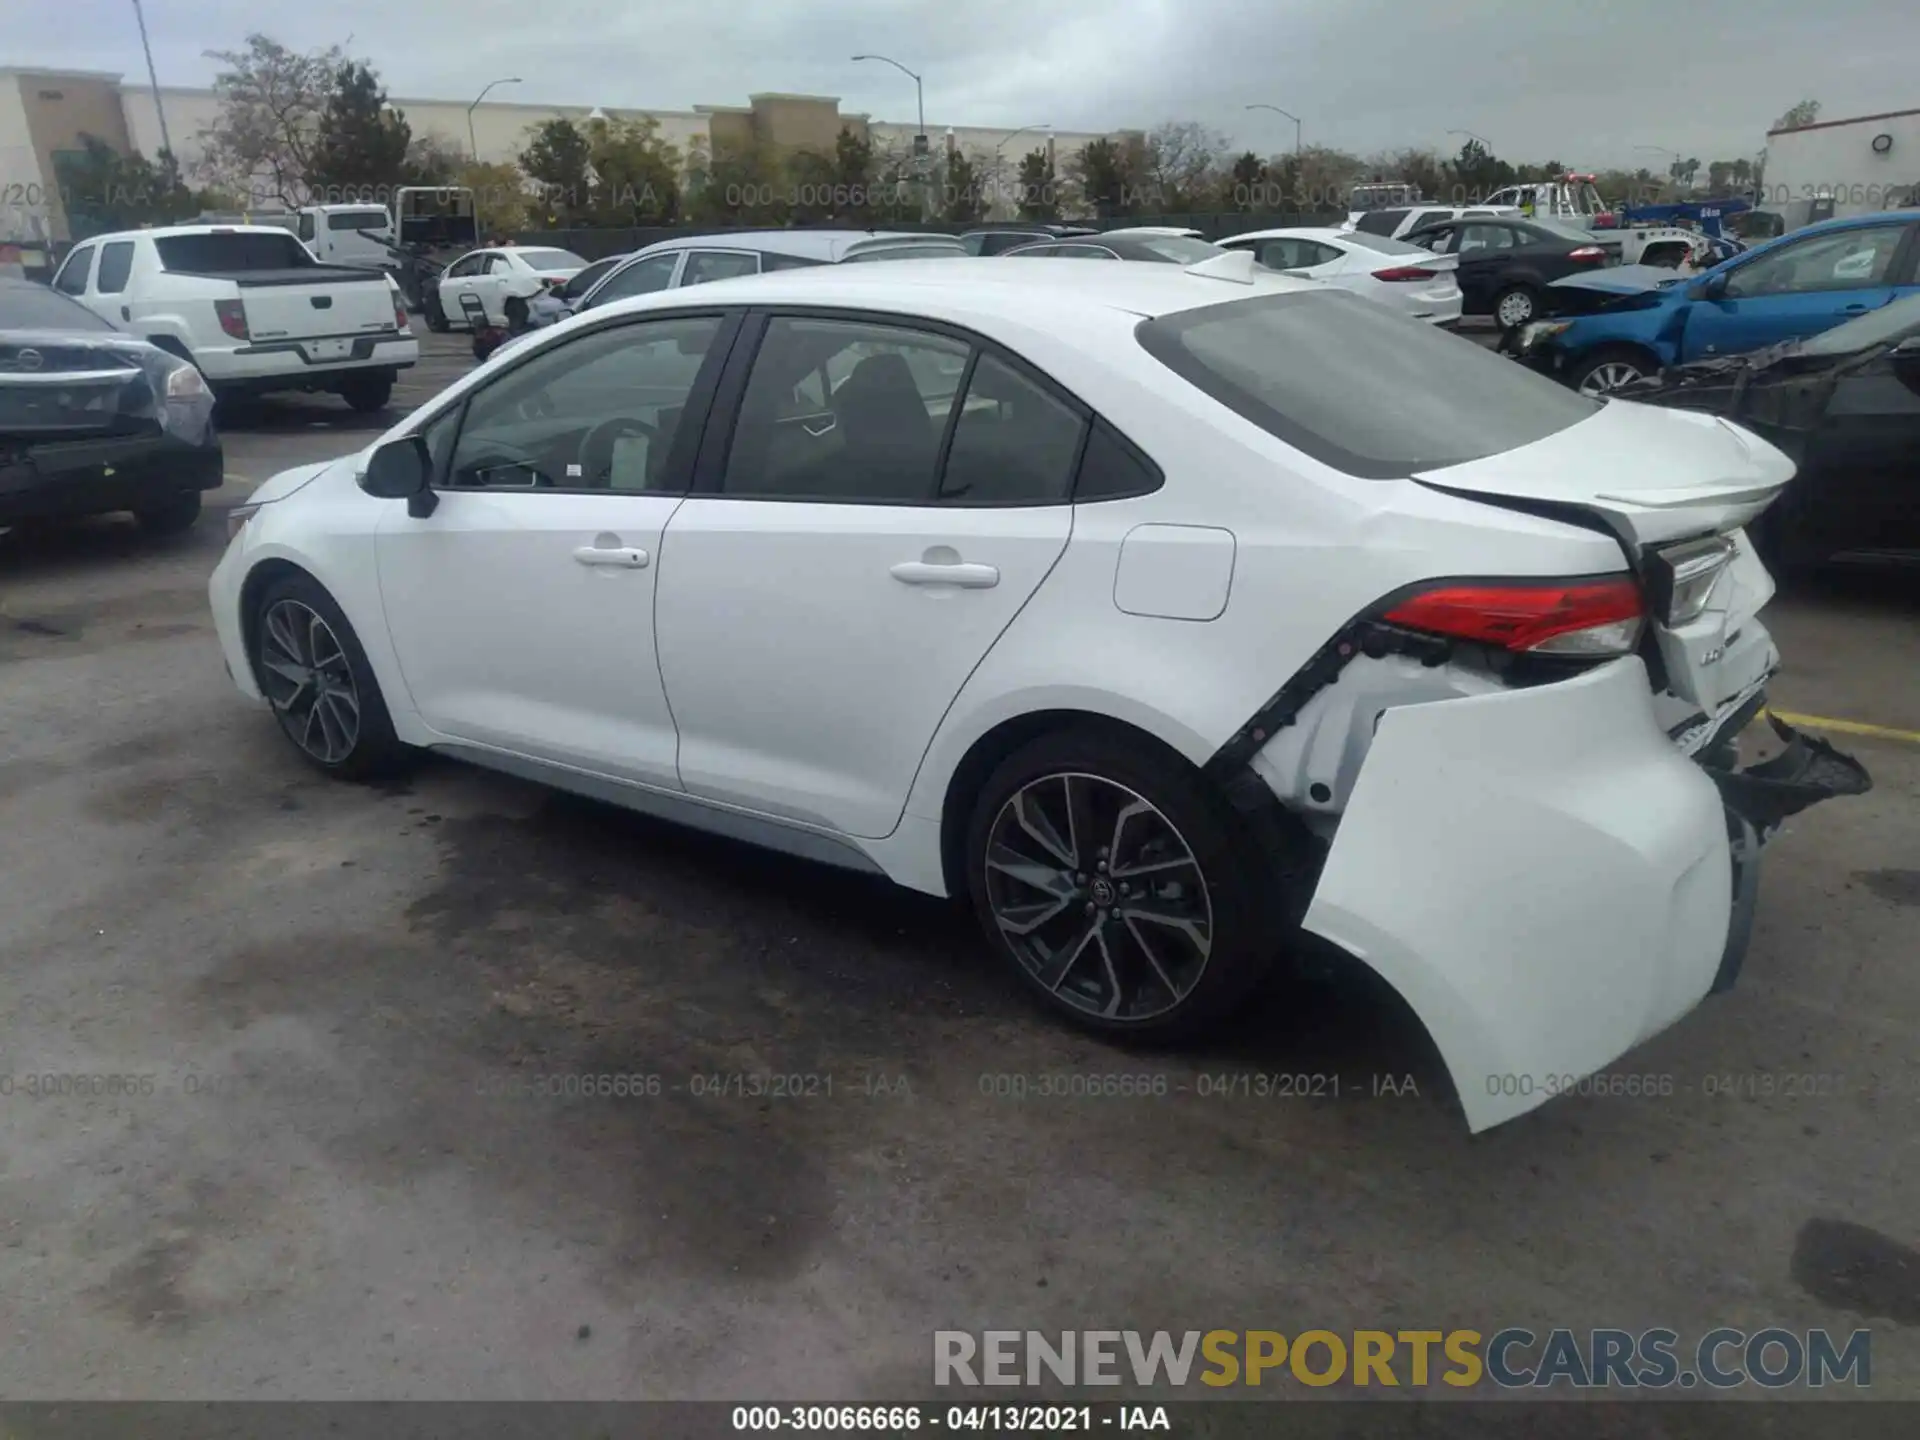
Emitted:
<point x="329" y="1188"/>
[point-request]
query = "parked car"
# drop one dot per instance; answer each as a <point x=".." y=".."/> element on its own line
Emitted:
<point x="1398" y="221"/>
<point x="1157" y="247"/>
<point x="575" y="288"/>
<point x="492" y="286"/>
<point x="251" y="307"/>
<point x="994" y="239"/>
<point x="1059" y="588"/>
<point x="1414" y="281"/>
<point x="1844" y="405"/>
<point x="93" y="420"/>
<point x="1601" y="336"/>
<point x="697" y="259"/>
<point x="1505" y="264"/>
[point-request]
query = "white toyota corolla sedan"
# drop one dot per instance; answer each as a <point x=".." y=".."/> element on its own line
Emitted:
<point x="1157" y="612"/>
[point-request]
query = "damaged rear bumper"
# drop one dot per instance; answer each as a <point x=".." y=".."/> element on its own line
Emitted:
<point x="1547" y="880"/>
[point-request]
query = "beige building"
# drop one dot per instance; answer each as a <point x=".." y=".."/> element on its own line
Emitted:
<point x="44" y="112"/>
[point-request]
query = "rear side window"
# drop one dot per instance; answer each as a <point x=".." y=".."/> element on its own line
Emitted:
<point x="1013" y="444"/>
<point x="72" y="279"/>
<point x="116" y="264"/>
<point x="949" y="250"/>
<point x="1112" y="468"/>
<point x="233" y="250"/>
<point x="1359" y="387"/>
<point x="1380" y="222"/>
<point x="788" y="262"/>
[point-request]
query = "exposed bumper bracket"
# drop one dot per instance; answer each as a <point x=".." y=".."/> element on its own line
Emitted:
<point x="1808" y="771"/>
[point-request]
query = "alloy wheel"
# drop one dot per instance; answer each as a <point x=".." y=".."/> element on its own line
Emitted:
<point x="1609" y="376"/>
<point x="1516" y="309"/>
<point x="306" y="675"/>
<point x="1099" y="897"/>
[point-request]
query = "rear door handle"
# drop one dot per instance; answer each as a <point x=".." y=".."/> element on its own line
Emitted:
<point x="623" y="559"/>
<point x="967" y="577"/>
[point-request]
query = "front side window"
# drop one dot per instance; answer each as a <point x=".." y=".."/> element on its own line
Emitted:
<point x="1359" y="387"/>
<point x="705" y="265"/>
<point x="642" y="277"/>
<point x="844" y="410"/>
<point x="304" y="226"/>
<point x="72" y="279"/>
<point x="1850" y="260"/>
<point x="600" y="412"/>
<point x="1440" y="242"/>
<point x="466" y="265"/>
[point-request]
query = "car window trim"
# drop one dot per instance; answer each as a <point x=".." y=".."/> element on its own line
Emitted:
<point x="678" y="256"/>
<point x="688" y="443"/>
<point x="723" y="417"/>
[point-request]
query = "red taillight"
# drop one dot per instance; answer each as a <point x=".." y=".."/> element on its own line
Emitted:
<point x="1405" y="272"/>
<point x="399" y="313"/>
<point x="233" y="317"/>
<point x="1586" y="617"/>
<point x="1588" y="253"/>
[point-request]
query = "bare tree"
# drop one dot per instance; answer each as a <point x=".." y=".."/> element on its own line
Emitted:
<point x="261" y="144"/>
<point x="1179" y="165"/>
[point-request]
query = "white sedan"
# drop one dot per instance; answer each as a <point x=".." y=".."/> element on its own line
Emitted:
<point x="1414" y="281"/>
<point x="483" y="286"/>
<point x="1123" y="600"/>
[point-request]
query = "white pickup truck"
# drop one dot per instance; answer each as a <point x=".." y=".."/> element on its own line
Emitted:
<point x="251" y="307"/>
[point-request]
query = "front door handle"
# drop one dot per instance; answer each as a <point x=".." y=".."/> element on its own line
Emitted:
<point x="617" y="559"/>
<point x="967" y="577"/>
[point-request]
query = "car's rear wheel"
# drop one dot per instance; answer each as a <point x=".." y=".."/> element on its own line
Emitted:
<point x="171" y="516"/>
<point x="1608" y="370"/>
<point x="367" y="393"/>
<point x="313" y="671"/>
<point x="1515" y="306"/>
<point x="1123" y="890"/>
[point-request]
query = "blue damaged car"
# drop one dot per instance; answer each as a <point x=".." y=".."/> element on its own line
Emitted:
<point x="1618" y="325"/>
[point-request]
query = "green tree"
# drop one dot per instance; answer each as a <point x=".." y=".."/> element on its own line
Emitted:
<point x="1800" y="116"/>
<point x="1039" y="193"/>
<point x="1100" y="171"/>
<point x="436" y="160"/>
<point x="636" y="174"/>
<point x="739" y="185"/>
<point x="853" y="169"/>
<point x="360" y="145"/>
<point x="557" y="158"/>
<point x="962" y="194"/>
<point x="103" y="190"/>
<point x="1248" y="183"/>
<point x="501" y="203"/>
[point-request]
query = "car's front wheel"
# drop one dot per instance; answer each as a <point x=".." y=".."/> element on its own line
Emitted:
<point x="1125" y="893"/>
<point x="313" y="671"/>
<point x="1608" y="370"/>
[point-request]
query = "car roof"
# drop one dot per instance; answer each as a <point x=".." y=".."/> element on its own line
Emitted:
<point x="828" y="245"/>
<point x="982" y="287"/>
<point x="166" y="232"/>
<point x="1292" y="232"/>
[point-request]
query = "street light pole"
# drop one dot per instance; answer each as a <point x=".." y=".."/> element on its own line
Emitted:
<point x="922" y="155"/>
<point x="1485" y="143"/>
<point x="473" y="145"/>
<point x="1291" y="116"/>
<point x="153" y="79"/>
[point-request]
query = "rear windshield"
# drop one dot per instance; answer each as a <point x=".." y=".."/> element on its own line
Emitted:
<point x="1385" y="244"/>
<point x="1359" y="387"/>
<point x="552" y="260"/>
<point x="27" y="306"/>
<point x="1380" y="222"/>
<point x="234" y="250"/>
<point x="358" y="220"/>
<point x="1180" y="249"/>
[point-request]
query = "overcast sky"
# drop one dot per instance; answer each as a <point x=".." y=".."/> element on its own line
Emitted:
<point x="1582" y="81"/>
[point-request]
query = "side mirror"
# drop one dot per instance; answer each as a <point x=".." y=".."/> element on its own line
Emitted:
<point x="1711" y="287"/>
<point x="402" y="470"/>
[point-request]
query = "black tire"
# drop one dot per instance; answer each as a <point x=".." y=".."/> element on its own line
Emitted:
<point x="172" y="516"/>
<point x="436" y="317"/>
<point x="374" y="750"/>
<point x="1516" y="296"/>
<point x="1787" y="536"/>
<point x="1610" y="359"/>
<point x="367" y="393"/>
<point x="1248" y="895"/>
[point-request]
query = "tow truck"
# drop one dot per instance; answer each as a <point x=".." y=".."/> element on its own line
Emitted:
<point x="1574" y="199"/>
